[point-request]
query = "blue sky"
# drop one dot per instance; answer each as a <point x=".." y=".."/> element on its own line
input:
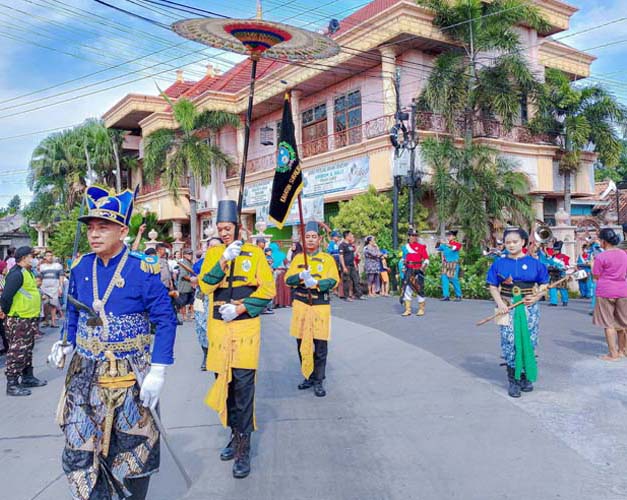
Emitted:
<point x="85" y="44"/>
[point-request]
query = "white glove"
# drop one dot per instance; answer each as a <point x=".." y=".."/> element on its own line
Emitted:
<point x="228" y="312"/>
<point x="59" y="352"/>
<point x="152" y="386"/>
<point x="305" y="275"/>
<point x="232" y="251"/>
<point x="311" y="282"/>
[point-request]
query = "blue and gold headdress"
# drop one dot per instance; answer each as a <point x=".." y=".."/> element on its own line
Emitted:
<point x="106" y="205"/>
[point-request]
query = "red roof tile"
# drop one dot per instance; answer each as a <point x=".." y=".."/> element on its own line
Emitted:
<point x="363" y="14"/>
<point x="178" y="88"/>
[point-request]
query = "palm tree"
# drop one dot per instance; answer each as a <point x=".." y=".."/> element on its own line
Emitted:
<point x="483" y="76"/>
<point x="58" y="166"/>
<point x="476" y="188"/>
<point x="486" y="74"/>
<point x="176" y="154"/>
<point x="579" y="118"/>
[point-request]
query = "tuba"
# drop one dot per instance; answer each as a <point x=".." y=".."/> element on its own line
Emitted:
<point x="542" y="233"/>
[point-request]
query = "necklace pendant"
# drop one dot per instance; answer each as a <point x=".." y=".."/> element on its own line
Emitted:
<point x="98" y="305"/>
<point x="120" y="282"/>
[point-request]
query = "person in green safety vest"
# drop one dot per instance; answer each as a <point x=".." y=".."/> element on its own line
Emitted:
<point x="21" y="305"/>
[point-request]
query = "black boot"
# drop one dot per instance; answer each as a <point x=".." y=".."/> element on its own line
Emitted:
<point x="15" y="389"/>
<point x="514" y="386"/>
<point x="525" y="384"/>
<point x="241" y="467"/>
<point x="29" y="380"/>
<point x="319" y="389"/>
<point x="138" y="487"/>
<point x="228" y="452"/>
<point x="305" y="384"/>
<point x="203" y="365"/>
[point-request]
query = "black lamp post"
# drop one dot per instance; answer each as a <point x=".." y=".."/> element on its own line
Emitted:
<point x="267" y="136"/>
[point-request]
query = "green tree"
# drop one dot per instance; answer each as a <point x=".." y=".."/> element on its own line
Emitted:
<point x="177" y="154"/>
<point x="462" y="84"/>
<point x="151" y="221"/>
<point x="579" y="119"/>
<point x="473" y="187"/>
<point x="476" y="188"/>
<point x="61" y="240"/>
<point x="14" y="204"/>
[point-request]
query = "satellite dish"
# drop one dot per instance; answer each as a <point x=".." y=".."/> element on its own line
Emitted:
<point x="334" y="25"/>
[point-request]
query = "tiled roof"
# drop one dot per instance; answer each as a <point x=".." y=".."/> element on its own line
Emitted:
<point x="177" y="88"/>
<point x="363" y="14"/>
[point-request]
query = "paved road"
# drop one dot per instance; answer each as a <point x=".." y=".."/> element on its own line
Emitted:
<point x="417" y="409"/>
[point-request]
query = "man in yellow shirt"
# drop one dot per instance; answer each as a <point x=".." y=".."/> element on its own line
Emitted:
<point x="311" y="285"/>
<point x="234" y="330"/>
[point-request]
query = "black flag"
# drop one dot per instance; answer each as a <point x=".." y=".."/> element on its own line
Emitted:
<point x="288" y="177"/>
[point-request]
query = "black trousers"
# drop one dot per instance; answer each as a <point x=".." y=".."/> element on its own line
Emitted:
<point x="241" y="400"/>
<point x="351" y="276"/>
<point x="320" y="359"/>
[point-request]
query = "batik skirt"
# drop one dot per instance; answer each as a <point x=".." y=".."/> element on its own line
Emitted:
<point x="134" y="439"/>
<point x="508" y="348"/>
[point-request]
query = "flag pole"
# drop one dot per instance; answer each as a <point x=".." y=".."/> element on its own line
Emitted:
<point x="242" y="176"/>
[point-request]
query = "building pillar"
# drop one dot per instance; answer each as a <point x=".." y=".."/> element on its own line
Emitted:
<point x="388" y="75"/>
<point x="298" y="128"/>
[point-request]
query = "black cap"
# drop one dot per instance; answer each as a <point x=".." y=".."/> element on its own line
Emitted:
<point x="22" y="252"/>
<point x="150" y="251"/>
<point x="312" y="225"/>
<point x="188" y="251"/>
<point x="227" y="211"/>
<point x="451" y="232"/>
<point x="558" y="245"/>
<point x="412" y="232"/>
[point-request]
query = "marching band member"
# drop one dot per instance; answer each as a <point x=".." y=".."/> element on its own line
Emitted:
<point x="450" y="266"/>
<point x="514" y="278"/>
<point x="311" y="310"/>
<point x="416" y="260"/>
<point x="557" y="271"/>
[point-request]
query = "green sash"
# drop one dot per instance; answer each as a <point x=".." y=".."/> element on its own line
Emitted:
<point x="525" y="357"/>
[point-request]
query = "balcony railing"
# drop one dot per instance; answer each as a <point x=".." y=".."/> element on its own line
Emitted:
<point x="380" y="126"/>
<point x="158" y="185"/>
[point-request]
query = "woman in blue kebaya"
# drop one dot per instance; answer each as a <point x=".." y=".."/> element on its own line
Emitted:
<point x="518" y="277"/>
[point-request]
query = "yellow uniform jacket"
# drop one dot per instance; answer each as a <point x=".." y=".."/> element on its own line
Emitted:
<point x="234" y="344"/>
<point x="311" y="310"/>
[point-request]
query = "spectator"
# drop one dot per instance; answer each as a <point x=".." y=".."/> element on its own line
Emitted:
<point x="350" y="275"/>
<point x="261" y="243"/>
<point x="21" y="304"/>
<point x="372" y="259"/>
<point x="166" y="275"/>
<point x="294" y="250"/>
<point x="52" y="286"/>
<point x="384" y="272"/>
<point x="138" y="238"/>
<point x="185" y="286"/>
<point x="283" y="297"/>
<point x="610" y="311"/>
<point x="10" y="260"/>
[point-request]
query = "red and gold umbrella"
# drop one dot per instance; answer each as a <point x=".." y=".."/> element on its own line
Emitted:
<point x="257" y="38"/>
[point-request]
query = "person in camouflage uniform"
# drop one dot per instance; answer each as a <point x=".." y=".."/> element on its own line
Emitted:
<point x="21" y="304"/>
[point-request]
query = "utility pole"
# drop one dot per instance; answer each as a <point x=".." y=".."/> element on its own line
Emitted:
<point x="395" y="178"/>
<point x="412" y="162"/>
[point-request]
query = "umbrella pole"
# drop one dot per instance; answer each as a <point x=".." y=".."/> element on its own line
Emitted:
<point x="242" y="176"/>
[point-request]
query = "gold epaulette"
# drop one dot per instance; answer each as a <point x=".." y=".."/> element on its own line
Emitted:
<point x="148" y="263"/>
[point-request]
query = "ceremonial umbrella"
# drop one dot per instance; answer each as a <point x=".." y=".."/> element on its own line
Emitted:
<point x="257" y="38"/>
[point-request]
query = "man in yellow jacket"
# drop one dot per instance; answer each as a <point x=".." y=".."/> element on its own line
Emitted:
<point x="234" y="330"/>
<point x="311" y="285"/>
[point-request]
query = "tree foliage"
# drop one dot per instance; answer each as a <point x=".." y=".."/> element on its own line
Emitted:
<point x="175" y="154"/>
<point x="579" y="118"/>
<point x="61" y="240"/>
<point x="476" y="189"/>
